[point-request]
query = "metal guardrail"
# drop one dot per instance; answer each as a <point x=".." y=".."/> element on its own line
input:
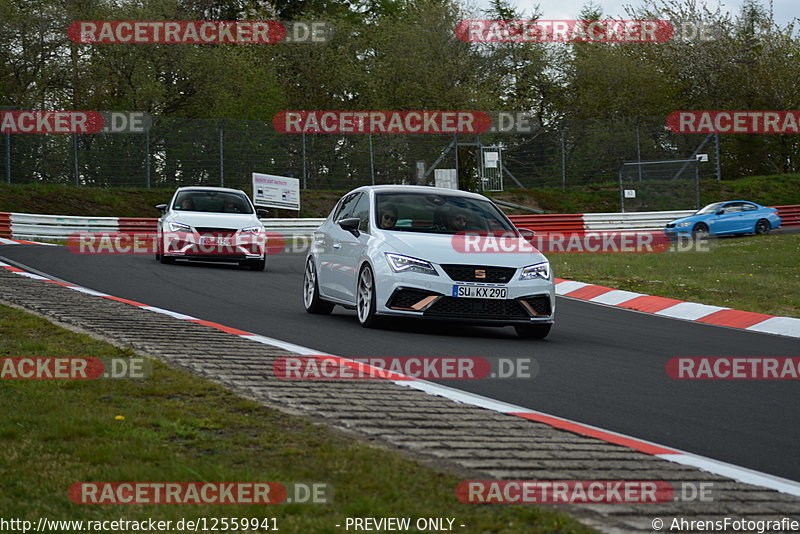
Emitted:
<point x="59" y="227"/>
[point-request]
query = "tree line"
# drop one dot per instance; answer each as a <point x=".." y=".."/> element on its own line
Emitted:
<point x="404" y="55"/>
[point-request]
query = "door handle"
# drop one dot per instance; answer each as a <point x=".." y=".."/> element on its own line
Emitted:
<point x="337" y="245"/>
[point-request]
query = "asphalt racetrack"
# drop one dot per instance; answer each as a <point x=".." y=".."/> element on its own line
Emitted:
<point x="601" y="366"/>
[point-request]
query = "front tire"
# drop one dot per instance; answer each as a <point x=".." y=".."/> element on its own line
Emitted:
<point x="762" y="227"/>
<point x="365" y="298"/>
<point x="533" y="331"/>
<point x="311" y="299"/>
<point x="700" y="231"/>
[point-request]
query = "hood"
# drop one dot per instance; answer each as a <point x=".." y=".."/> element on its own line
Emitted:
<point x="448" y="248"/>
<point x="692" y="218"/>
<point x="214" y="220"/>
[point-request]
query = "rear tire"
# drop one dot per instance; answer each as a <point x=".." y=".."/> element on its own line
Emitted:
<point x="311" y="299"/>
<point x="762" y="227"/>
<point x="533" y="331"/>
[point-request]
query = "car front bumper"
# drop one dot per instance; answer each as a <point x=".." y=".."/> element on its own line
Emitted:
<point x="431" y="297"/>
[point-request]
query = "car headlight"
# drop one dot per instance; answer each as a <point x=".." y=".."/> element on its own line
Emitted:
<point x="406" y="264"/>
<point x="539" y="270"/>
<point x="684" y="224"/>
<point x="179" y="227"/>
<point x="252" y="230"/>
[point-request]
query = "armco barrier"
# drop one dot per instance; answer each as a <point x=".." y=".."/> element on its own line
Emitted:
<point x="58" y="227"/>
<point x="641" y="221"/>
<point x="5" y="224"/>
<point x="131" y="225"/>
<point x="569" y="222"/>
<point x="790" y="215"/>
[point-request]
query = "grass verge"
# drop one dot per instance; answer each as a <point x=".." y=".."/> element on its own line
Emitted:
<point x="757" y="273"/>
<point x="177" y="427"/>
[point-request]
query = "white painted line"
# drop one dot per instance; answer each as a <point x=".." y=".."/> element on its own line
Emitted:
<point x="784" y="326"/>
<point x="170" y="313"/>
<point x="462" y="397"/>
<point x="88" y="291"/>
<point x="742" y="474"/>
<point x="4" y="241"/>
<point x="34" y="276"/>
<point x="617" y="296"/>
<point x="291" y="347"/>
<point x="568" y="287"/>
<point x="690" y="311"/>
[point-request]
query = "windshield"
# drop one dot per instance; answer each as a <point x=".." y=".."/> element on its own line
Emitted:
<point x="212" y="202"/>
<point x="711" y="208"/>
<point x="437" y="214"/>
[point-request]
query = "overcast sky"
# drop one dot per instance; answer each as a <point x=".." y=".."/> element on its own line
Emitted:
<point x="785" y="10"/>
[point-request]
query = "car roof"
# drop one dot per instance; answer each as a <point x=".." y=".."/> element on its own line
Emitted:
<point x="420" y="189"/>
<point x="209" y="188"/>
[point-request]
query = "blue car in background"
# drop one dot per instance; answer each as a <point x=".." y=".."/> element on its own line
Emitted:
<point x="721" y="218"/>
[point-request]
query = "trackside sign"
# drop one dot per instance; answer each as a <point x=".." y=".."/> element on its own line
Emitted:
<point x="271" y="191"/>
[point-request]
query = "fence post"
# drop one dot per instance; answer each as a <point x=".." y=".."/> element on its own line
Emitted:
<point x="638" y="149"/>
<point x="8" y="158"/>
<point x="371" y="162"/>
<point x="563" y="162"/>
<point x="716" y="149"/>
<point x="147" y="157"/>
<point x="221" y="155"/>
<point x="621" y="193"/>
<point x="305" y="171"/>
<point x="455" y="145"/>
<point x="697" y="185"/>
<point x="75" y="159"/>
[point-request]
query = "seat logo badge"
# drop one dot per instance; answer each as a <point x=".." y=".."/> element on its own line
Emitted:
<point x="480" y="273"/>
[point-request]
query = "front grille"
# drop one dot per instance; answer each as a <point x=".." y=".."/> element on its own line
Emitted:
<point x="404" y="298"/>
<point x="540" y="304"/>
<point x="467" y="273"/>
<point x="216" y="231"/>
<point x="478" y="308"/>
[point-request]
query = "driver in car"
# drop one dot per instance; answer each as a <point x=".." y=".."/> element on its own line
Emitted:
<point x="457" y="221"/>
<point x="387" y="217"/>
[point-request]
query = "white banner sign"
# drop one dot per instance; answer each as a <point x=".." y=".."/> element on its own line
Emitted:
<point x="270" y="191"/>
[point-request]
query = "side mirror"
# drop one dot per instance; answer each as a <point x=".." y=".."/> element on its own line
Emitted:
<point x="721" y="211"/>
<point x="351" y="225"/>
<point x="262" y="213"/>
<point x="161" y="207"/>
<point x="526" y="233"/>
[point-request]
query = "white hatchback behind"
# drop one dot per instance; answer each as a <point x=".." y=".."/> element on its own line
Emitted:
<point x="211" y="224"/>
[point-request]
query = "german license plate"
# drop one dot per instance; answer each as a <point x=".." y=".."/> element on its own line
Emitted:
<point x="215" y="241"/>
<point x="480" y="292"/>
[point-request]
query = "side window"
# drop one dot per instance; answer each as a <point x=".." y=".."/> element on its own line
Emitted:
<point x="361" y="210"/>
<point x="734" y="208"/>
<point x="750" y="207"/>
<point x="344" y="207"/>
